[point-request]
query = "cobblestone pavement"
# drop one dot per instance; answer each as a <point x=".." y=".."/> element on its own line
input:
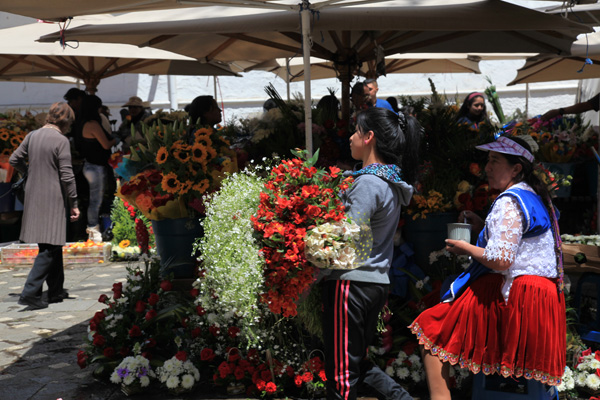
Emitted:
<point x="38" y="348"/>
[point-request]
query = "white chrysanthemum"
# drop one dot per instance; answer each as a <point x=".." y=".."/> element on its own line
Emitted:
<point x="594" y="364"/>
<point x="401" y="356"/>
<point x="128" y="380"/>
<point x="402" y="373"/>
<point x="114" y="377"/>
<point x="144" y="381"/>
<point x="592" y="381"/>
<point x="416" y="376"/>
<point x="414" y="359"/>
<point x="187" y="381"/>
<point x="172" y="382"/>
<point x="580" y="379"/>
<point x="389" y="370"/>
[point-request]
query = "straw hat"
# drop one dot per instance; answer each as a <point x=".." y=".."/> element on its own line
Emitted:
<point x="134" y="101"/>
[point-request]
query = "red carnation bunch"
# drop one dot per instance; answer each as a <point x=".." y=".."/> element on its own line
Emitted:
<point x="297" y="197"/>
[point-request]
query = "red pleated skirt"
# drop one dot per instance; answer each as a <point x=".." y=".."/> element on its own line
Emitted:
<point x="524" y="337"/>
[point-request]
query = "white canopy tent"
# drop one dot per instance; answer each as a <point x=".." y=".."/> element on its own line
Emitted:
<point x="343" y="35"/>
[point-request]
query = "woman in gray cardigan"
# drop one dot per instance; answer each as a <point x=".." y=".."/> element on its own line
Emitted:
<point x="50" y="191"/>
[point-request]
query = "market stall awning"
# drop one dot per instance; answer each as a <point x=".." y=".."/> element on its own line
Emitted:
<point x="90" y="62"/>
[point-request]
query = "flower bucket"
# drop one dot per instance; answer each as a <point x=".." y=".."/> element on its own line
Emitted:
<point x="174" y="243"/>
<point x="427" y="235"/>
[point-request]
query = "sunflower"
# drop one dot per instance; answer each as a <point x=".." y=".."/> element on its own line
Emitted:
<point x="162" y="155"/>
<point x="178" y="145"/>
<point x="186" y="186"/>
<point x="204" y="140"/>
<point x="15" y="141"/>
<point x="6" y="152"/>
<point x="124" y="244"/>
<point x="212" y="153"/>
<point x="203" y="132"/>
<point x="201" y="186"/>
<point x="199" y="153"/>
<point x="170" y="183"/>
<point x="182" y="155"/>
<point x="4" y="135"/>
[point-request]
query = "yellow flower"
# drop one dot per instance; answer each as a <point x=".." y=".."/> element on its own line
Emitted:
<point x="124" y="243"/>
<point x="203" y="132"/>
<point x="199" y="153"/>
<point x="4" y="135"/>
<point x="201" y="186"/>
<point x="186" y="186"/>
<point x="162" y="155"/>
<point x="170" y="183"/>
<point x="182" y="155"/>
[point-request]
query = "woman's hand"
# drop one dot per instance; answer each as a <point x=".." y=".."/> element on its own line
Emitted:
<point x="458" y="247"/>
<point x="74" y="214"/>
<point x="476" y="222"/>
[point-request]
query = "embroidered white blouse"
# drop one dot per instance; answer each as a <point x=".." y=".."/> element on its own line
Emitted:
<point x="529" y="256"/>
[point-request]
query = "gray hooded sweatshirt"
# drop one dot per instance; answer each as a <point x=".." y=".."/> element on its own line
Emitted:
<point x="375" y="197"/>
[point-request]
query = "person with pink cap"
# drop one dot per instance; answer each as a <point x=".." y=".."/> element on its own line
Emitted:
<point x="473" y="111"/>
<point x="506" y="313"/>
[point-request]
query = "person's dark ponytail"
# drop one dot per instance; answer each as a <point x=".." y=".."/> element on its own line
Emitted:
<point x="398" y="138"/>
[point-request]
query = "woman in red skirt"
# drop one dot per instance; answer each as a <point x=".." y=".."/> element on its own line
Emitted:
<point x="506" y="313"/>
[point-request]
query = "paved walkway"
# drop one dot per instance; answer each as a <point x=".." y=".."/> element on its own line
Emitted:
<point x="38" y="348"/>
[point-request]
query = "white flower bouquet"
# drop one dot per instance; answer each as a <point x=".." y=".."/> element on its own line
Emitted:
<point x="336" y="245"/>
<point x="133" y="371"/>
<point x="586" y="372"/>
<point x="568" y="381"/>
<point x="179" y="375"/>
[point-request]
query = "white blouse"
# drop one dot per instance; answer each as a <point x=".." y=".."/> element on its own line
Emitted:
<point x="529" y="256"/>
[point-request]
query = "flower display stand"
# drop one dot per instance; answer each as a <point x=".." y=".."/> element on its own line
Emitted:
<point x="427" y="235"/>
<point x="174" y="242"/>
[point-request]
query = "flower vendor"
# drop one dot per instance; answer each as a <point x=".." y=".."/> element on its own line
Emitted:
<point x="353" y="299"/>
<point x="473" y="111"/>
<point x="506" y="313"/>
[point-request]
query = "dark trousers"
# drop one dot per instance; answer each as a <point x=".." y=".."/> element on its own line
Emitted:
<point x="48" y="266"/>
<point x="350" y="313"/>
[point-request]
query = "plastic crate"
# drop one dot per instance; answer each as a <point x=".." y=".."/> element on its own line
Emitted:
<point x="19" y="253"/>
<point x="76" y="253"/>
<point x="73" y="253"/>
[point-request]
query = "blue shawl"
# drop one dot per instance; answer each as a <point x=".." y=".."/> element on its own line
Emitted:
<point x="537" y="221"/>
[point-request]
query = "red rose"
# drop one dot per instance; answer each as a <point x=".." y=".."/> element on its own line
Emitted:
<point x="140" y="307"/>
<point x="233" y="354"/>
<point x="82" y="359"/>
<point x="109" y="352"/>
<point x="260" y="385"/>
<point x="265" y="375"/>
<point x="181" y="355"/>
<point x="153" y="299"/>
<point x="150" y="314"/>
<point x="207" y="354"/>
<point x="233" y="331"/>
<point x="224" y="369"/>
<point x="194" y="293"/>
<point x="103" y="298"/>
<point x="99" y="340"/>
<point x="117" y="290"/>
<point x="98" y="316"/>
<point x="150" y="342"/>
<point x="196" y="332"/>
<point x="322" y="375"/>
<point x="239" y="373"/>
<point x="135" y="331"/>
<point x="214" y="330"/>
<point x="270" y="388"/>
<point x="166" y="286"/>
<point x="200" y="310"/>
<point x="298" y="380"/>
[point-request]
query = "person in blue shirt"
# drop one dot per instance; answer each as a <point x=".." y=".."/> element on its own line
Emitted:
<point x="372" y="88"/>
<point x="473" y="111"/>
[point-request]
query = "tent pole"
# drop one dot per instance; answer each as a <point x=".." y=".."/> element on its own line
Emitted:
<point x="527" y="100"/>
<point x="287" y="74"/>
<point x="305" y="14"/>
<point x="172" y="86"/>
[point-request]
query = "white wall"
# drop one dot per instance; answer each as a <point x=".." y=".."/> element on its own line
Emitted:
<point x="242" y="96"/>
